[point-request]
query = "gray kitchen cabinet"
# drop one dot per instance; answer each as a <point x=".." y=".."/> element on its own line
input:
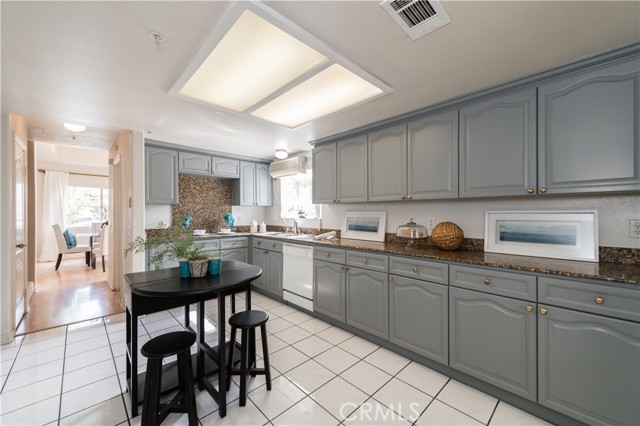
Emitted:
<point x="432" y="162"/>
<point x="161" y="176"/>
<point x="329" y="289"/>
<point x="493" y="338"/>
<point x="498" y="146"/>
<point x="198" y="164"/>
<point x="340" y="171"/>
<point x="241" y="254"/>
<point x="418" y="317"/>
<point x="589" y="366"/>
<point x="589" y="130"/>
<point x="388" y="164"/>
<point x="323" y="189"/>
<point x="270" y="261"/>
<point x="260" y="260"/>
<point x="274" y="273"/>
<point x="368" y="301"/>
<point x="225" y="167"/>
<point x="254" y="186"/>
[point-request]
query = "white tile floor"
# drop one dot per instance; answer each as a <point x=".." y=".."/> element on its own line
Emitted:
<point x="321" y="375"/>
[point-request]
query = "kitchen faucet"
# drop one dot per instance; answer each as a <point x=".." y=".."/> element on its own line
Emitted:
<point x="295" y="226"/>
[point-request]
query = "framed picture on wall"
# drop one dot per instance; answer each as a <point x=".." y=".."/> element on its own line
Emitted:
<point x="370" y="226"/>
<point x="571" y="235"/>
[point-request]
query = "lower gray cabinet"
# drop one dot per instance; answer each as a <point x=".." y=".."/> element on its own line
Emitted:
<point x="589" y="366"/>
<point x="260" y="260"/>
<point x="329" y="289"/>
<point x="241" y="254"/>
<point x="368" y="301"/>
<point x="493" y="338"/>
<point x="271" y="264"/>
<point x="418" y="317"/>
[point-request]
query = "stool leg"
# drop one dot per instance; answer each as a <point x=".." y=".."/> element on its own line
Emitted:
<point x="151" y="400"/>
<point x="252" y="351"/>
<point x="243" y="368"/>
<point x="265" y="356"/>
<point x="232" y="345"/>
<point x="186" y="385"/>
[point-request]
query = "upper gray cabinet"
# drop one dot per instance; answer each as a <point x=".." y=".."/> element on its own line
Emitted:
<point x="588" y="131"/>
<point x="254" y="186"/>
<point x="161" y="176"/>
<point x="388" y="164"/>
<point x="432" y="157"/>
<point x="194" y="163"/>
<point x="225" y="167"/>
<point x="498" y="146"/>
<point x="340" y="171"/>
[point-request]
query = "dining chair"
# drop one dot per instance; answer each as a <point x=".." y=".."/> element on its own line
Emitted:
<point x="63" y="249"/>
<point x="100" y="247"/>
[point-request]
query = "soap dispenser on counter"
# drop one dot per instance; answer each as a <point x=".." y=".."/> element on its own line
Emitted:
<point x="263" y="228"/>
<point x="253" y="226"/>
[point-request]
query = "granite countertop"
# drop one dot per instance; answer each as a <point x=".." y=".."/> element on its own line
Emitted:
<point x="612" y="272"/>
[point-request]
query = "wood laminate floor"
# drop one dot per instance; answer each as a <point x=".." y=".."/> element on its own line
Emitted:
<point x="71" y="294"/>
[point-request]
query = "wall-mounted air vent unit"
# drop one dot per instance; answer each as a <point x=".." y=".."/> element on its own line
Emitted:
<point x="288" y="167"/>
<point x="417" y="17"/>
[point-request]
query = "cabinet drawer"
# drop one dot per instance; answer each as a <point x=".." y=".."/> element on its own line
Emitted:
<point x="434" y="272"/>
<point x="374" y="262"/>
<point x="329" y="254"/>
<point x="493" y="281"/>
<point x="588" y="297"/>
<point x="227" y="243"/>
<point x="209" y="245"/>
<point x="267" y="244"/>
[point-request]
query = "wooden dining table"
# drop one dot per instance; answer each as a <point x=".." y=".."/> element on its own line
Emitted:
<point x="154" y="291"/>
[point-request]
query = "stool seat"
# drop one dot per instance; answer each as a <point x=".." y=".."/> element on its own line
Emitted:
<point x="248" y="319"/>
<point x="168" y="344"/>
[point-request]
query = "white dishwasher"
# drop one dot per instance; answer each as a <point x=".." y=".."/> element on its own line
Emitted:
<point x="297" y="275"/>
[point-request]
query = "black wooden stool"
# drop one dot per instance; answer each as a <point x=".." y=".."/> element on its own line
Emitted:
<point x="247" y="321"/>
<point x="176" y="343"/>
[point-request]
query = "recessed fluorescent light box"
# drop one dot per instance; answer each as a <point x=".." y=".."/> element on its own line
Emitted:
<point x="256" y="63"/>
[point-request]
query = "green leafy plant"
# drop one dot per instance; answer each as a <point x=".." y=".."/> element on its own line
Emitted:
<point x="168" y="242"/>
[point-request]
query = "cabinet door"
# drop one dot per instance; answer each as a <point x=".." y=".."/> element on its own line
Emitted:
<point x="161" y="176"/>
<point x="194" y="163"/>
<point x="324" y="174"/>
<point x="432" y="157"/>
<point x="589" y="131"/>
<point x="274" y="273"/>
<point x="589" y="366"/>
<point x="260" y="260"/>
<point x="352" y="170"/>
<point x="388" y="164"/>
<point x="419" y="317"/>
<point x="493" y="338"/>
<point x="224" y="167"/>
<point x="329" y="289"/>
<point x="263" y="185"/>
<point x="241" y="254"/>
<point x="244" y="189"/>
<point x="368" y="301"/>
<point x="498" y="146"/>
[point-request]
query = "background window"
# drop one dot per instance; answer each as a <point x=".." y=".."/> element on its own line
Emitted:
<point x="295" y="193"/>
<point x="86" y="205"/>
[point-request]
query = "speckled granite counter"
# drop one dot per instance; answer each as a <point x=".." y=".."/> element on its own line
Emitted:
<point x="612" y="272"/>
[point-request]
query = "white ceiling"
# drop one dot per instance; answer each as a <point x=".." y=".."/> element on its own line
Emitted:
<point x="94" y="63"/>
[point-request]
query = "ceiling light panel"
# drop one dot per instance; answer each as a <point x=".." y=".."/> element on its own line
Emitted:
<point x="253" y="60"/>
<point x="331" y="90"/>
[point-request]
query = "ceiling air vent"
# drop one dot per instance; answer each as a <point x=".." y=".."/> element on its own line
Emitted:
<point x="417" y="17"/>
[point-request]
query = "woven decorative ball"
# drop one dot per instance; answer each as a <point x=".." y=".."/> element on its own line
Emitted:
<point x="447" y="236"/>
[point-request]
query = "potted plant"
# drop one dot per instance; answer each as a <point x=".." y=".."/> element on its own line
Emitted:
<point x="169" y="242"/>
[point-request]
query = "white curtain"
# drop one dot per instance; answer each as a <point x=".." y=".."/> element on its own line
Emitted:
<point x="53" y="211"/>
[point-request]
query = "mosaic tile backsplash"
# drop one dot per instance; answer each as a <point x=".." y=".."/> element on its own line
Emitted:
<point x="204" y="198"/>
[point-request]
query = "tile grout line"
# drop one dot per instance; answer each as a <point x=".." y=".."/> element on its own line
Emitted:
<point x="15" y="357"/>
<point x="493" y="412"/>
<point x="64" y="360"/>
<point x="115" y="366"/>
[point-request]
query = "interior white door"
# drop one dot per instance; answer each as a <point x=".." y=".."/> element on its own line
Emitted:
<point x="20" y="212"/>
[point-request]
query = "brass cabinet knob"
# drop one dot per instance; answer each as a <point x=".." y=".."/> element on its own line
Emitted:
<point x="415" y="269"/>
<point x="346" y="269"/>
<point x="390" y="277"/>
<point x="342" y="268"/>
<point x="543" y="190"/>
<point x="365" y="261"/>
<point x="529" y="308"/>
<point x="328" y="254"/>
<point x="529" y="190"/>
<point x="259" y="242"/>
<point x="486" y="281"/>
<point x="338" y="200"/>
<point x="599" y="300"/>
<point x="335" y="201"/>
<point x="403" y="197"/>
<point x="265" y="252"/>
<point x="409" y="197"/>
<point x="543" y="311"/>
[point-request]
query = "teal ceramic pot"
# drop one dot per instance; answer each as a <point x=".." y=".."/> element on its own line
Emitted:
<point x="214" y="266"/>
<point x="185" y="270"/>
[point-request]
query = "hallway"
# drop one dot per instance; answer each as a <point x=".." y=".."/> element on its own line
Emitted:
<point x="72" y="294"/>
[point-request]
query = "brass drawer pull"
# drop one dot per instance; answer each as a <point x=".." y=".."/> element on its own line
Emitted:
<point x="529" y="308"/>
<point x="415" y="269"/>
<point x="409" y="197"/>
<point x="390" y="278"/>
<point x="259" y="242"/>
<point x="543" y="311"/>
<point x="403" y="197"/>
<point x="365" y="261"/>
<point x="342" y="268"/>
<point x="599" y="300"/>
<point x="486" y="281"/>
<point x="529" y="190"/>
<point x="543" y="190"/>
